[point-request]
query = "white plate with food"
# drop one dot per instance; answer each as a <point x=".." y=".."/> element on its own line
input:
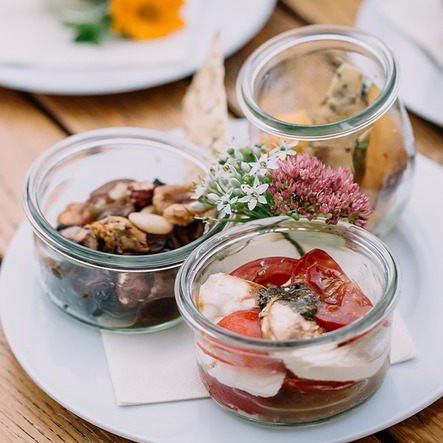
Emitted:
<point x="67" y="360"/>
<point x="225" y="15"/>
<point x="421" y="78"/>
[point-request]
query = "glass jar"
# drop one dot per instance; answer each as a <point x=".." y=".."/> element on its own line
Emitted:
<point x="109" y="291"/>
<point x="293" y="381"/>
<point x="334" y="89"/>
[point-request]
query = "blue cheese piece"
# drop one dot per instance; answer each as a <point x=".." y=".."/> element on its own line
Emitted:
<point x="343" y="98"/>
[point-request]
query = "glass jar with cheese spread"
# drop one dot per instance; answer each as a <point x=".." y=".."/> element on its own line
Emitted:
<point x="333" y="90"/>
<point x="290" y="381"/>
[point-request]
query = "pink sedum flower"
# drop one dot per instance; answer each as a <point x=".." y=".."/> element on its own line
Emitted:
<point x="304" y="185"/>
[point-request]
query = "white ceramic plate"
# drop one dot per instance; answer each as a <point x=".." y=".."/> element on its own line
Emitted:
<point x="67" y="360"/>
<point x="239" y="21"/>
<point x="421" y="80"/>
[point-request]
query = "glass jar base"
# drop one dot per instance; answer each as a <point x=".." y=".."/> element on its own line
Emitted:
<point x="288" y="408"/>
<point x="118" y="329"/>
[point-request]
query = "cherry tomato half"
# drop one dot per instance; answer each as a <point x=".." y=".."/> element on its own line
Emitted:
<point x="269" y="271"/>
<point x="245" y="323"/>
<point x="341" y="301"/>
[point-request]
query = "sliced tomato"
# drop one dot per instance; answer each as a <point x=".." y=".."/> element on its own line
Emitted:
<point x="269" y="271"/>
<point x="245" y="323"/>
<point x="341" y="301"/>
<point x="316" y="256"/>
<point x="293" y="383"/>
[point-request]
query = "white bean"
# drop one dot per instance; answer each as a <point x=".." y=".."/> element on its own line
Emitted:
<point x="148" y="210"/>
<point x="151" y="223"/>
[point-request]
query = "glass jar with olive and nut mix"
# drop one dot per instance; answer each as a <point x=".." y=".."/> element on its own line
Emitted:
<point x="113" y="220"/>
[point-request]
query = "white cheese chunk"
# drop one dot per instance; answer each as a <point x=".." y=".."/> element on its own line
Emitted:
<point x="357" y="360"/>
<point x="223" y="294"/>
<point x="257" y="381"/>
<point x="278" y="321"/>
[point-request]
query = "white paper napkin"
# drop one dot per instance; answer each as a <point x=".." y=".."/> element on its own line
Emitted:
<point x="421" y="21"/>
<point x="31" y="35"/>
<point x="161" y="367"/>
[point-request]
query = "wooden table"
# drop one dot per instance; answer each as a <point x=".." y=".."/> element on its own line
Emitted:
<point x="31" y="123"/>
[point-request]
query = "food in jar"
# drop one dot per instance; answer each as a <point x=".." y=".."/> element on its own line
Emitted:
<point x="297" y="299"/>
<point x="375" y="156"/>
<point x="126" y="217"/>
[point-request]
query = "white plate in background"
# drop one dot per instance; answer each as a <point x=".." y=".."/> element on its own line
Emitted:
<point x="421" y="80"/>
<point x="239" y="20"/>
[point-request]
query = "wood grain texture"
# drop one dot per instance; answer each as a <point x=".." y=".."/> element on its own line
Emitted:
<point x="337" y="12"/>
<point x="24" y="133"/>
<point x="426" y="426"/>
<point x="156" y="108"/>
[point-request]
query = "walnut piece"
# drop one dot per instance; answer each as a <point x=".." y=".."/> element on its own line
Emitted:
<point x="80" y="235"/>
<point x="76" y="214"/>
<point x="118" y="235"/>
<point x="114" y="188"/>
<point x="165" y="196"/>
<point x="179" y="214"/>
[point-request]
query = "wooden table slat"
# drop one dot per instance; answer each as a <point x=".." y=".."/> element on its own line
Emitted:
<point x="337" y="12"/>
<point x="25" y="132"/>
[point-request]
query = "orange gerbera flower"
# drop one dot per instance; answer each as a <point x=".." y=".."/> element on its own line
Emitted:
<point x="145" y="19"/>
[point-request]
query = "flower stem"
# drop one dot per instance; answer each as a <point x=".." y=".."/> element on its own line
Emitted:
<point x="294" y="243"/>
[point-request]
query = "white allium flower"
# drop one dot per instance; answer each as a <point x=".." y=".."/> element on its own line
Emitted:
<point x="245" y="167"/>
<point x="223" y="202"/>
<point x="200" y="190"/>
<point x="239" y="155"/>
<point x="235" y="182"/>
<point x="254" y="194"/>
<point x="282" y="150"/>
<point x="260" y="167"/>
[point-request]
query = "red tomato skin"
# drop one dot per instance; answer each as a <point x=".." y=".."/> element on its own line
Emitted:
<point x="295" y="384"/>
<point x="269" y="271"/>
<point x="341" y="301"/>
<point x="316" y="256"/>
<point x="243" y="323"/>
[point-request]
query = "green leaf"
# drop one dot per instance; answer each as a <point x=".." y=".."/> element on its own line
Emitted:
<point x="91" y="32"/>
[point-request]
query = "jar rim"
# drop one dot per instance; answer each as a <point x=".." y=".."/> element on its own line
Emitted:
<point x="276" y="45"/>
<point x="75" y="144"/>
<point x="209" y="248"/>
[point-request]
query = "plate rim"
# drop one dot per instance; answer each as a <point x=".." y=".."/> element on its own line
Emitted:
<point x="421" y="111"/>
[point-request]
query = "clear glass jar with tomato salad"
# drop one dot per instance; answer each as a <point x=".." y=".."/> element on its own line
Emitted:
<point x="287" y="381"/>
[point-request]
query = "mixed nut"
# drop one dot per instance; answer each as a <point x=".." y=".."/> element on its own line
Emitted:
<point x="129" y="217"/>
<point x="125" y="217"/>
